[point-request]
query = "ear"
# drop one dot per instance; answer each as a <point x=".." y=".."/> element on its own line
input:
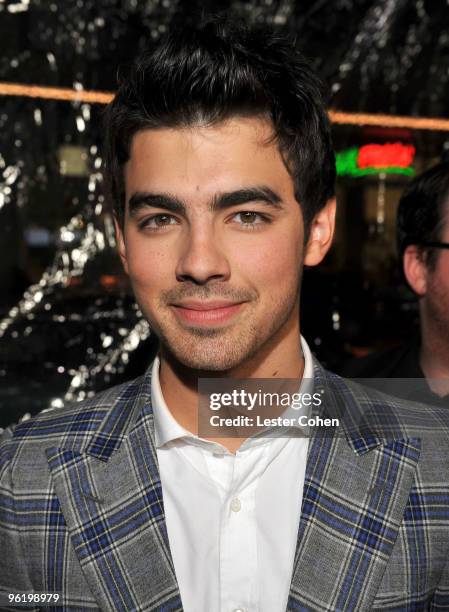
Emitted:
<point x="321" y="234"/>
<point x="415" y="269"/>
<point x="121" y="247"/>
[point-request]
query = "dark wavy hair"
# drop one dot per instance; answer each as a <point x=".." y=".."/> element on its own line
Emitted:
<point x="203" y="75"/>
<point x="421" y="211"/>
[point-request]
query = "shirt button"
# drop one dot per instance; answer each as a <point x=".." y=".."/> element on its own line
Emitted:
<point x="236" y="506"/>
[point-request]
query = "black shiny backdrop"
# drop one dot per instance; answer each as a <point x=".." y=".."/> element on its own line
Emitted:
<point x="68" y="325"/>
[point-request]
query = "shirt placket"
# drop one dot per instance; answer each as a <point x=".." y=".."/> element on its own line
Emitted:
<point x="238" y="535"/>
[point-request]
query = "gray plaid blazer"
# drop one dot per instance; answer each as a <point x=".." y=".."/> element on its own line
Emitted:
<point x="82" y="511"/>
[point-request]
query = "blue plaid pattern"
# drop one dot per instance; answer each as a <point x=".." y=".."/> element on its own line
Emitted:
<point x="82" y="512"/>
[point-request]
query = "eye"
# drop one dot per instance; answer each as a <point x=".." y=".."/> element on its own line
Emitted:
<point x="158" y="221"/>
<point x="250" y="218"/>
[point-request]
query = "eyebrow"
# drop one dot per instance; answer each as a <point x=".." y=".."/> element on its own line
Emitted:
<point x="145" y="199"/>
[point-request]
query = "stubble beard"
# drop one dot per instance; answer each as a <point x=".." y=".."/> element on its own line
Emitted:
<point x="225" y="348"/>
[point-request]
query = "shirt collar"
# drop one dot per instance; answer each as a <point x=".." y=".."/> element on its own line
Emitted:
<point x="167" y="428"/>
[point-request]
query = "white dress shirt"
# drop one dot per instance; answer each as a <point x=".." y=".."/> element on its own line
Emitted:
<point x="232" y="519"/>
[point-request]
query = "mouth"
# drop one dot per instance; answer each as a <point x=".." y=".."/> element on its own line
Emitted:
<point x="206" y="313"/>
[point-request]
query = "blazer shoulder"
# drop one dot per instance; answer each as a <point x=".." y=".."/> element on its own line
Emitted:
<point x="74" y="425"/>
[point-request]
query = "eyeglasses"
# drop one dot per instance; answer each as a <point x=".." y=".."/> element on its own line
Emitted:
<point x="435" y="245"/>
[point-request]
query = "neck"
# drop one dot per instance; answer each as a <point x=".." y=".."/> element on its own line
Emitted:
<point x="434" y="356"/>
<point x="179" y="383"/>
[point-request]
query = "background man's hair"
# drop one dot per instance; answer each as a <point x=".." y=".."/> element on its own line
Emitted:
<point x="204" y="75"/>
<point x="422" y="210"/>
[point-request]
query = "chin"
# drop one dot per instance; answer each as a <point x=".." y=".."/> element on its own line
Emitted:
<point x="215" y="349"/>
<point x="212" y="360"/>
<point x="203" y="365"/>
<point x="209" y="351"/>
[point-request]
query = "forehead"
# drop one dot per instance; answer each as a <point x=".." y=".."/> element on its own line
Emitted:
<point x="237" y="153"/>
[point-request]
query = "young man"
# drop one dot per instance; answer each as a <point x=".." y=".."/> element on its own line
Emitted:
<point x="221" y="172"/>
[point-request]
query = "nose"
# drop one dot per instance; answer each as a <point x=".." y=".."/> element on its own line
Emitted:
<point x="202" y="258"/>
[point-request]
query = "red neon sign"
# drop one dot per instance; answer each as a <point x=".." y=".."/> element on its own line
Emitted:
<point x="385" y="155"/>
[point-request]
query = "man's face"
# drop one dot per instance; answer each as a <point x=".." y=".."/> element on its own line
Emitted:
<point x="213" y="241"/>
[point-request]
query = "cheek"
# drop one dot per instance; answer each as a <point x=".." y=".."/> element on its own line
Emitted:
<point x="149" y="267"/>
<point x="445" y="270"/>
<point x="275" y="262"/>
<point x="439" y="279"/>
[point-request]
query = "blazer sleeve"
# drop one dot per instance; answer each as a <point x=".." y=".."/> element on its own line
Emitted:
<point x="13" y="567"/>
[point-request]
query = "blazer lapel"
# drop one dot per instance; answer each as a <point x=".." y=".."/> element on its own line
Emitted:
<point x="355" y="492"/>
<point x="111" y="498"/>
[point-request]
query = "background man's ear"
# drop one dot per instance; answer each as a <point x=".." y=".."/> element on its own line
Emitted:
<point x="415" y="269"/>
<point x="321" y="234"/>
<point x="121" y="243"/>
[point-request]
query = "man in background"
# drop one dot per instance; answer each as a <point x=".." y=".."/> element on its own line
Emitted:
<point x="423" y="245"/>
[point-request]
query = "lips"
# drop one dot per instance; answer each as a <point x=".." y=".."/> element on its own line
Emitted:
<point x="203" y="312"/>
<point x="205" y="305"/>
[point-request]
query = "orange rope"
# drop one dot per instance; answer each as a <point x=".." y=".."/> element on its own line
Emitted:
<point x="337" y="117"/>
<point x="413" y="123"/>
<point x="55" y="93"/>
